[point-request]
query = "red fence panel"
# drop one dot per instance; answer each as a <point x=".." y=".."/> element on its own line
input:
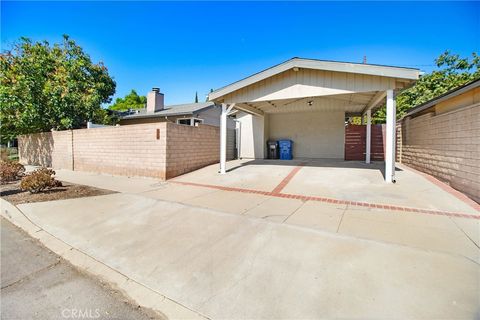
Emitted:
<point x="355" y="142"/>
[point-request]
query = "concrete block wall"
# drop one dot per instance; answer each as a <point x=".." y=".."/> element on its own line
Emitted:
<point x="446" y="146"/>
<point x="36" y="149"/>
<point x="159" y="150"/>
<point x="123" y="150"/>
<point x="62" y="152"/>
<point x="190" y="148"/>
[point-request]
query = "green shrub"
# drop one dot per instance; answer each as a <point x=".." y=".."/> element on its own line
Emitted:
<point x="10" y="171"/>
<point x="39" y="180"/>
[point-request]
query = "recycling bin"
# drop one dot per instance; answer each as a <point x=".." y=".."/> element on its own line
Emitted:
<point x="286" y="152"/>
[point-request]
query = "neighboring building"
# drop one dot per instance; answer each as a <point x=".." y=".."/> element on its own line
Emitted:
<point x="441" y="137"/>
<point x="187" y="114"/>
<point x="307" y="101"/>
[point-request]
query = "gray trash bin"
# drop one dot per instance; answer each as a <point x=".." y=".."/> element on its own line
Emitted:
<point x="272" y="149"/>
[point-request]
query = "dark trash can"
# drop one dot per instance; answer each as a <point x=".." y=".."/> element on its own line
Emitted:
<point x="286" y="152"/>
<point x="272" y="149"/>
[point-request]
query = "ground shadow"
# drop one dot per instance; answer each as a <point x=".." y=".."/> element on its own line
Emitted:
<point x="318" y="163"/>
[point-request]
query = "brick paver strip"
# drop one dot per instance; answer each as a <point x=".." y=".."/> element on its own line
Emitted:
<point x="287" y="179"/>
<point x="331" y="200"/>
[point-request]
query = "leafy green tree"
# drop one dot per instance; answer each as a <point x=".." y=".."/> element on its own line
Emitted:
<point x="453" y="71"/>
<point x="130" y="101"/>
<point x="46" y="87"/>
<point x="196" y="97"/>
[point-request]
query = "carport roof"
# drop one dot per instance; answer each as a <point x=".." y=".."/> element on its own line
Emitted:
<point x="410" y="74"/>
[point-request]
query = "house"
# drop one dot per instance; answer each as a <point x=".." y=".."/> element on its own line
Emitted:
<point x="441" y="137"/>
<point x="187" y="114"/>
<point x="307" y="101"/>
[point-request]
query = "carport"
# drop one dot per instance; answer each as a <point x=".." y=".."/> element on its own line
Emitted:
<point x="308" y="101"/>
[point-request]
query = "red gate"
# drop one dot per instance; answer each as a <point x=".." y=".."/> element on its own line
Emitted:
<point x="355" y="142"/>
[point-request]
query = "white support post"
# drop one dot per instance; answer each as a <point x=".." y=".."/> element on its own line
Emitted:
<point x="223" y="137"/>
<point x="390" y="139"/>
<point x="368" y="143"/>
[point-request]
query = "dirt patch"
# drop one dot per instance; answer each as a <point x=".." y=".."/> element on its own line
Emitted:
<point x="12" y="193"/>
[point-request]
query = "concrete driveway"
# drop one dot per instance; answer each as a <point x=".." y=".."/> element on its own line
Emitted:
<point x="259" y="243"/>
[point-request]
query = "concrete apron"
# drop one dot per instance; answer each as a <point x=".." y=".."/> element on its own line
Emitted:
<point x="205" y="262"/>
<point x="141" y="294"/>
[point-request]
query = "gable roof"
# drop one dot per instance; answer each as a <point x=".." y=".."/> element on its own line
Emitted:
<point x="447" y="95"/>
<point x="337" y="66"/>
<point x="173" y="110"/>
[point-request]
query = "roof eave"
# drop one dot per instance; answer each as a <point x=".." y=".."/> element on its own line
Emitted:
<point x="409" y="74"/>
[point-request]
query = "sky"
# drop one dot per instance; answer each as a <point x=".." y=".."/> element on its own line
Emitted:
<point x="188" y="47"/>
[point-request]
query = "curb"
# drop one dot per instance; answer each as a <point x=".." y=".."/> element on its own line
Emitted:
<point x="140" y="294"/>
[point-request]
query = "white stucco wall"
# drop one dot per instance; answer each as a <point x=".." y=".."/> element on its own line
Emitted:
<point x="252" y="136"/>
<point x="314" y="134"/>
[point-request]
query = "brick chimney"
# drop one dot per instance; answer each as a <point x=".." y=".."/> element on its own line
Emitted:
<point x="154" y="100"/>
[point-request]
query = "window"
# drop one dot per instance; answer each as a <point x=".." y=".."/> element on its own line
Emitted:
<point x="190" y="121"/>
<point x="183" y="121"/>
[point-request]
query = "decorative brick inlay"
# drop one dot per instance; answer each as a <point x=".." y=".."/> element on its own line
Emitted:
<point x="287" y="179"/>
<point x="331" y="200"/>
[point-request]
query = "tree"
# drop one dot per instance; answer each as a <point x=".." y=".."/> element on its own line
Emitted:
<point x="452" y="72"/>
<point x="196" y="96"/>
<point x="46" y="87"/>
<point x="130" y="101"/>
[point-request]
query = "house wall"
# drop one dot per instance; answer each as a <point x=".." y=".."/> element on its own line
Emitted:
<point x="252" y="136"/>
<point x="444" y="144"/>
<point x="314" y="134"/>
<point x="125" y="122"/>
<point x="159" y="150"/>
<point x="463" y="100"/>
<point x="210" y="116"/>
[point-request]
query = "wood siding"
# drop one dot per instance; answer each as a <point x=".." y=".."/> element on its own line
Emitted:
<point x="308" y="83"/>
<point x="355" y="142"/>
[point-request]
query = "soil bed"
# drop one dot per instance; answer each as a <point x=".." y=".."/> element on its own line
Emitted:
<point x="12" y="193"/>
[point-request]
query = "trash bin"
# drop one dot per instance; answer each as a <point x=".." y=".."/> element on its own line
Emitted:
<point x="285" y="147"/>
<point x="272" y="149"/>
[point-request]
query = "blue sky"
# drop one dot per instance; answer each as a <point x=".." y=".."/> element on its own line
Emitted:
<point x="183" y="47"/>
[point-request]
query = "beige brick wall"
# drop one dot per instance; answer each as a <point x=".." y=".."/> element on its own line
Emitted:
<point x="132" y="150"/>
<point x="123" y="150"/>
<point x="190" y="148"/>
<point x="62" y="153"/>
<point x="36" y="149"/>
<point x="446" y="146"/>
